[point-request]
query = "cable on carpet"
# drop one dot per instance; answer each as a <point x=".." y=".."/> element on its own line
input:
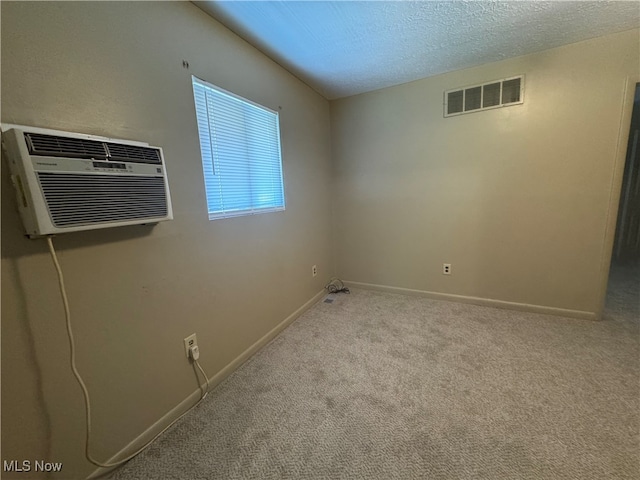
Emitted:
<point x="336" y="285"/>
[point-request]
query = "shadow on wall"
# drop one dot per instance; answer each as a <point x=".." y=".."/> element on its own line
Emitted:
<point x="19" y="346"/>
<point x="17" y="330"/>
<point x="22" y="318"/>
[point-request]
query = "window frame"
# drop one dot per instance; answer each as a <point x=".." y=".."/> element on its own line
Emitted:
<point x="252" y="208"/>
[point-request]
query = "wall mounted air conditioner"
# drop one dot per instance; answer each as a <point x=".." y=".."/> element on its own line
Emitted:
<point x="66" y="182"/>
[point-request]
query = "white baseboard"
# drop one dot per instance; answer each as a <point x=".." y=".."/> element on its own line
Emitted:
<point x="184" y="405"/>
<point x="487" y="302"/>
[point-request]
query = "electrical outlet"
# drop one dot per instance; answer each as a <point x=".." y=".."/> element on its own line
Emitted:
<point x="314" y="271"/>
<point x="446" y="269"/>
<point x="190" y="341"/>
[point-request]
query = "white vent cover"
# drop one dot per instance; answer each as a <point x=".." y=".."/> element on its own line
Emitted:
<point x="495" y="94"/>
<point x="67" y="182"/>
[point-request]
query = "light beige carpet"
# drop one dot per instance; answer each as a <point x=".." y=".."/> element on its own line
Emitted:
<point x="382" y="386"/>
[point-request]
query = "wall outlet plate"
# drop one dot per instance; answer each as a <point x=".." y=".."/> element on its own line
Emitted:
<point x="314" y="270"/>
<point x="446" y="269"/>
<point x="190" y="341"/>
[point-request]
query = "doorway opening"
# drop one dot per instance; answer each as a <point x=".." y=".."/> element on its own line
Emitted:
<point x="623" y="289"/>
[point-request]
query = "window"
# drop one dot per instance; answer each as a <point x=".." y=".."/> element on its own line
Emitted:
<point x="240" y="148"/>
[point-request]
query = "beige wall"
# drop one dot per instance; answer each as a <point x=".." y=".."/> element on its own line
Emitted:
<point x="115" y="69"/>
<point x="516" y="199"/>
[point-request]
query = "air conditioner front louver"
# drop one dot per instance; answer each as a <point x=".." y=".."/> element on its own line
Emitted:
<point x="76" y="199"/>
<point x="66" y="182"/>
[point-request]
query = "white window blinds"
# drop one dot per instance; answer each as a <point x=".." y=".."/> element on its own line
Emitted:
<point x="240" y="148"/>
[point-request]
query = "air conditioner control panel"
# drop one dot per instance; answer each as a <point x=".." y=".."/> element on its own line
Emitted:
<point x="108" y="166"/>
<point x="79" y="165"/>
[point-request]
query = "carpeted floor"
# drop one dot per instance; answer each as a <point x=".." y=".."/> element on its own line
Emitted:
<point x="384" y="386"/>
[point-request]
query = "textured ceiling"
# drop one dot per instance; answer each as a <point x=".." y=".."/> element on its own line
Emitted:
<point x="343" y="48"/>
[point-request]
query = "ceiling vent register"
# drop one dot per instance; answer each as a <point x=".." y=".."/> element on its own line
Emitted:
<point x="495" y="94"/>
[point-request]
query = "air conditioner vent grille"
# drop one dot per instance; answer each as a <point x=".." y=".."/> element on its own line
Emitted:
<point x="132" y="153"/>
<point x="55" y="146"/>
<point x="79" y="199"/>
<point x="498" y="93"/>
